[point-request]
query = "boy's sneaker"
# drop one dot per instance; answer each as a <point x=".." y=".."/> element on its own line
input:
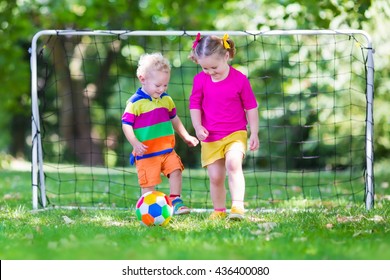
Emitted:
<point x="178" y="207"/>
<point x="236" y="213"/>
<point x="217" y="215"/>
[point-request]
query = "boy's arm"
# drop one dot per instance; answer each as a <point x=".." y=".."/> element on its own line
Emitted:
<point x="183" y="133"/>
<point x="253" y="120"/>
<point x="138" y="147"/>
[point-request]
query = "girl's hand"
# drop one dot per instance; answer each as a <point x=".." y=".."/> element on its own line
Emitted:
<point x="201" y="133"/>
<point x="254" y="142"/>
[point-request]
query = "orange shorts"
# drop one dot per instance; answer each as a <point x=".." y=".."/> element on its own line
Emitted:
<point x="149" y="169"/>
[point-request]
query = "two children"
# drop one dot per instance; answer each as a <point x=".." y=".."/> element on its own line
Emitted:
<point x="221" y="105"/>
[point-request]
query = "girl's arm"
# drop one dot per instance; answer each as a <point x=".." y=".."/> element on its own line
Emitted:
<point x="196" y="118"/>
<point x="253" y="120"/>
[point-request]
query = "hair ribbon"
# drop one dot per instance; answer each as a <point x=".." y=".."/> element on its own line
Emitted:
<point x="225" y="42"/>
<point x="197" y="39"/>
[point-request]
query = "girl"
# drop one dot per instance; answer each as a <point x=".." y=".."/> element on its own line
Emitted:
<point x="221" y="105"/>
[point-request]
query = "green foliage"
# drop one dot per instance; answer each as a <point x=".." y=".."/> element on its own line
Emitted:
<point x="20" y="20"/>
<point x="291" y="14"/>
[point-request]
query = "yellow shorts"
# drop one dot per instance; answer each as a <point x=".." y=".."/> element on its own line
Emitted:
<point x="149" y="169"/>
<point x="213" y="151"/>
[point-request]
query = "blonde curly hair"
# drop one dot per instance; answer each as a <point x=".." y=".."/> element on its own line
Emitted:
<point x="153" y="61"/>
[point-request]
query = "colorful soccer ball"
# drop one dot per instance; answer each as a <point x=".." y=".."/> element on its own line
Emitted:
<point x="154" y="208"/>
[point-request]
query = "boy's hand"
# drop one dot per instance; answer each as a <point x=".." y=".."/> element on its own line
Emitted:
<point x="139" y="148"/>
<point x="191" y="141"/>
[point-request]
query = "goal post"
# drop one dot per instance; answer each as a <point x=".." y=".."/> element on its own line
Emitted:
<point x="315" y="90"/>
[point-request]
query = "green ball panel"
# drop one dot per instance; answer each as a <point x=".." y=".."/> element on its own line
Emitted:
<point x="166" y="211"/>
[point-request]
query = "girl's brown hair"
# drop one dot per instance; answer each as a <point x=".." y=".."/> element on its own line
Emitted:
<point x="209" y="45"/>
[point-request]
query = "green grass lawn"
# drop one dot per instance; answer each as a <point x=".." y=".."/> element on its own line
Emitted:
<point x="283" y="233"/>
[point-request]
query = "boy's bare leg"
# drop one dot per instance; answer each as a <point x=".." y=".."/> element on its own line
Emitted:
<point x="175" y="185"/>
<point x="147" y="189"/>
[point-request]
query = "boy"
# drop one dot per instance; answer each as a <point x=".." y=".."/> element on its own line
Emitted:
<point x="149" y="122"/>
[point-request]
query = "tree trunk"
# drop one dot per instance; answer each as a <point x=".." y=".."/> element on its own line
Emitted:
<point x="19" y="125"/>
<point x="74" y="114"/>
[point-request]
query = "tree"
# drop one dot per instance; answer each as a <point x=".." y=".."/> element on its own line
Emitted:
<point x="23" y="19"/>
<point x="20" y="20"/>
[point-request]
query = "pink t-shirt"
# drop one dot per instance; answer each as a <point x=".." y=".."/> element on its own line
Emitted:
<point x="222" y="103"/>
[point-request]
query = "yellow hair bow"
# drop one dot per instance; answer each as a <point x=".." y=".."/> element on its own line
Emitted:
<point x="225" y="42"/>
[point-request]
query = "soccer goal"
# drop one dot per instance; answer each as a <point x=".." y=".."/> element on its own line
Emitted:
<point x="314" y="89"/>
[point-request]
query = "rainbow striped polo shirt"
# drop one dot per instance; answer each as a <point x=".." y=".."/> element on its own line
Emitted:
<point x="151" y="122"/>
